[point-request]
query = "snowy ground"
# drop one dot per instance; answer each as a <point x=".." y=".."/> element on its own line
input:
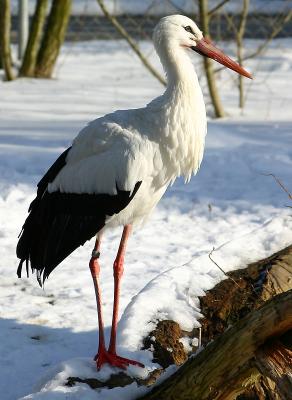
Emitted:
<point x="47" y="335"/>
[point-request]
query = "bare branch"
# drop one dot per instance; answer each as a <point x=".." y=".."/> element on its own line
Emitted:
<point x="274" y="33"/>
<point x="231" y="22"/>
<point x="277" y="29"/>
<point x="131" y="42"/>
<point x="179" y="9"/>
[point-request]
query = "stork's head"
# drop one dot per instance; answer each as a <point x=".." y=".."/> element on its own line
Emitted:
<point x="178" y="31"/>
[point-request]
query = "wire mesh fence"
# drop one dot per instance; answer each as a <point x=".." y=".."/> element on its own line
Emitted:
<point x="87" y="21"/>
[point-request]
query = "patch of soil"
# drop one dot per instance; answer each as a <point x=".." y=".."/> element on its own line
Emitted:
<point x="121" y="379"/>
<point x="165" y="344"/>
<point x="115" y="380"/>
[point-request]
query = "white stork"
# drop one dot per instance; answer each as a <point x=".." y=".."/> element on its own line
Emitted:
<point x="119" y="167"/>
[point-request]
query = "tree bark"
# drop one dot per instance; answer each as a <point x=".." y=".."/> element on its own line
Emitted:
<point x="5" y="49"/>
<point x="208" y="66"/>
<point x="223" y="369"/>
<point x="53" y="38"/>
<point x="34" y="41"/>
<point x="274" y="360"/>
<point x="239" y="42"/>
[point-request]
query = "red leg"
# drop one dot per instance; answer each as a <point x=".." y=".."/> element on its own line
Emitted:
<point x="103" y="356"/>
<point x="95" y="270"/>
<point x="118" y="272"/>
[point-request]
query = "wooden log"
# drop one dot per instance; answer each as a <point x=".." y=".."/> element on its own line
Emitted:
<point x="223" y="369"/>
<point x="274" y="360"/>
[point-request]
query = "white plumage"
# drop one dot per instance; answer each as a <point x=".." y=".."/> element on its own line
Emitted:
<point x="119" y="167"/>
<point x="154" y="144"/>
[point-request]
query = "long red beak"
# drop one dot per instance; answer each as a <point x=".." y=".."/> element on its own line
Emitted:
<point x="206" y="48"/>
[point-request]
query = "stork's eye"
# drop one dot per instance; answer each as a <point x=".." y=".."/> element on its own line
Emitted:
<point x="188" y="29"/>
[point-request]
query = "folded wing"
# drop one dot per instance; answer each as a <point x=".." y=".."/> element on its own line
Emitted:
<point x="59" y="222"/>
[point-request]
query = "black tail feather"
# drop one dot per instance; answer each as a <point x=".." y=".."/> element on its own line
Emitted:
<point x="49" y="236"/>
<point x="58" y="223"/>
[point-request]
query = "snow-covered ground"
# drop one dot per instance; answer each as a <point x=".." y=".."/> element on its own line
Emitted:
<point x="48" y="335"/>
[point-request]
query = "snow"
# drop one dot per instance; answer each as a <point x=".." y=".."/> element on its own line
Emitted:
<point x="231" y="205"/>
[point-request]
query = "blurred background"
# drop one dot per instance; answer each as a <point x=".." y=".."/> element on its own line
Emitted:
<point x="39" y="29"/>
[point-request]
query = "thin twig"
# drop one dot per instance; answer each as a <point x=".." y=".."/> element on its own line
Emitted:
<point x="222" y="270"/>
<point x="231" y="23"/>
<point x="217" y="8"/>
<point x="179" y="9"/>
<point x="233" y="280"/>
<point x="200" y="338"/>
<point x="280" y="184"/>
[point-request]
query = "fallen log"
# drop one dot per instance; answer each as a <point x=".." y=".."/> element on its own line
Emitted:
<point x="260" y="369"/>
<point x="236" y="358"/>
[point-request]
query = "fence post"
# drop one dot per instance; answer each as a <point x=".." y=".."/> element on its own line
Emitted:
<point x="23" y="27"/>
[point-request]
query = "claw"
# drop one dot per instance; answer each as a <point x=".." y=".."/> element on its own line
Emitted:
<point x="105" y="357"/>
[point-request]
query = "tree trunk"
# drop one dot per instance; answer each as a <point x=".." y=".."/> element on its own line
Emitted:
<point x="208" y="66"/>
<point x="239" y="42"/>
<point x="1" y="65"/>
<point x="34" y="41"/>
<point x="230" y="363"/>
<point x="5" y="50"/>
<point x="53" y="38"/>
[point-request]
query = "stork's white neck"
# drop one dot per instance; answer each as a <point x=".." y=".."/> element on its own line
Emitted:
<point x="178" y="68"/>
<point x="183" y="113"/>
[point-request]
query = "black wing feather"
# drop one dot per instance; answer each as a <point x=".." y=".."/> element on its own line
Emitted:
<point x="58" y="222"/>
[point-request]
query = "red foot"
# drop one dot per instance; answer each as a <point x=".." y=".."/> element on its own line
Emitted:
<point x="105" y="357"/>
